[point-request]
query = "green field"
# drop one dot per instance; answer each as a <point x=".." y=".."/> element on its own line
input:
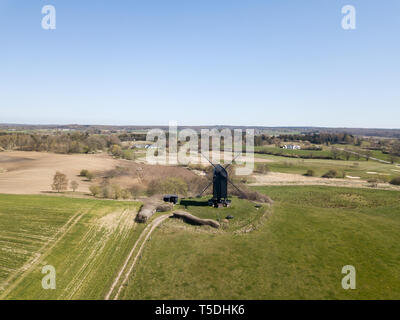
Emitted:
<point x="320" y="166"/>
<point x="85" y="240"/>
<point x="325" y="153"/>
<point x="296" y="253"/>
<point x="294" y="249"/>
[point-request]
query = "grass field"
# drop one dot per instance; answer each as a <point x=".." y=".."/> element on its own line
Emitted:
<point x="294" y="249"/>
<point x="360" y="169"/>
<point x="85" y="240"/>
<point x="296" y="253"/>
<point x="326" y="152"/>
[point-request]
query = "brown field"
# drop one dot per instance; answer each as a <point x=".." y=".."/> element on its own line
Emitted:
<point x="32" y="172"/>
<point x="23" y="172"/>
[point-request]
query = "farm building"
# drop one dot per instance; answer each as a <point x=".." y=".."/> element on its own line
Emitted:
<point x="291" y="147"/>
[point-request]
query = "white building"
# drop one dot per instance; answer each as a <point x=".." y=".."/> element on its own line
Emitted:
<point x="291" y="147"/>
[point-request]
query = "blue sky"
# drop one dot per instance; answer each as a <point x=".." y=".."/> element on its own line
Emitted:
<point x="236" y="62"/>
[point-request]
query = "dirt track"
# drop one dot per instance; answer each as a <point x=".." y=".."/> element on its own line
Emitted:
<point x="32" y="172"/>
<point x="125" y="271"/>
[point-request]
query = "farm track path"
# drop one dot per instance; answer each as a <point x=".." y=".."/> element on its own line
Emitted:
<point x="146" y="233"/>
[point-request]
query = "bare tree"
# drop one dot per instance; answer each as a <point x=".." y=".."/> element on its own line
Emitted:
<point x="60" y="182"/>
<point x="368" y="154"/>
<point x="392" y="158"/>
<point x="347" y="155"/>
<point x="335" y="153"/>
<point x="74" y="185"/>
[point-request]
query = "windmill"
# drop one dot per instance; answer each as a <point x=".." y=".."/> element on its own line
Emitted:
<point x="220" y="180"/>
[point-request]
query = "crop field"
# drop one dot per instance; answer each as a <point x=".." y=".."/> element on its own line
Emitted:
<point x="294" y="250"/>
<point x="85" y="240"/>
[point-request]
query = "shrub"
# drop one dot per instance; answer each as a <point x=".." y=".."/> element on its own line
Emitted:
<point x="107" y="192"/>
<point x="170" y="185"/>
<point x="373" y="182"/>
<point x="90" y="176"/>
<point x="310" y="173"/>
<point x="136" y="190"/>
<point x="116" y="192"/>
<point x="87" y="174"/>
<point x="395" y="181"/>
<point x="126" y="194"/>
<point x="251" y="195"/>
<point x="128" y="155"/>
<point x="330" y="174"/>
<point x="84" y="172"/>
<point x="153" y="188"/>
<point x="95" y="190"/>
<point x="116" y="151"/>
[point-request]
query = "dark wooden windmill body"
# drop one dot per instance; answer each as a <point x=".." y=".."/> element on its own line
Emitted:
<point x="219" y="182"/>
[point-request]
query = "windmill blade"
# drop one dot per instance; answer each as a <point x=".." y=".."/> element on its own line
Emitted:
<point x="237" y="156"/>
<point x="243" y="194"/>
<point x="207" y="159"/>
<point x="201" y="193"/>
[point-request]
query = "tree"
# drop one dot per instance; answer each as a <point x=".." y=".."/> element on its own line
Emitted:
<point x="74" y="185"/>
<point x="95" y="190"/>
<point x="347" y="155"/>
<point x="60" y="182"/>
<point x="368" y="154"/>
<point x="335" y="153"/>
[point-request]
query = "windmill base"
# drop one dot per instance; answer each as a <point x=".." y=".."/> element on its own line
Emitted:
<point x="219" y="203"/>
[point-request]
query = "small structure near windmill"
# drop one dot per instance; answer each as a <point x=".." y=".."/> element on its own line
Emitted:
<point x="172" y="198"/>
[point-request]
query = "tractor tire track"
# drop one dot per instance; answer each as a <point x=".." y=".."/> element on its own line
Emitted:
<point x="42" y="253"/>
<point x="144" y="235"/>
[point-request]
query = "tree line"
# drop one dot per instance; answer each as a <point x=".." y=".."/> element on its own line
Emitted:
<point x="76" y="142"/>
